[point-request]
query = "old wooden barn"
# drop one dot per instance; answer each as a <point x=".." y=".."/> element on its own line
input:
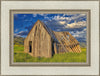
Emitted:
<point x="43" y="42"/>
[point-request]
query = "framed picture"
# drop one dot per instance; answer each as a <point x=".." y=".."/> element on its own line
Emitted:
<point x="50" y="38"/>
<point x="65" y="31"/>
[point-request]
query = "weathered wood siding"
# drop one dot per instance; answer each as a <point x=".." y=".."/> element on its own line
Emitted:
<point x="41" y="41"/>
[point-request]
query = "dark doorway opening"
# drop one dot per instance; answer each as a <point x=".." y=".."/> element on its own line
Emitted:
<point x="30" y="46"/>
<point x="53" y="49"/>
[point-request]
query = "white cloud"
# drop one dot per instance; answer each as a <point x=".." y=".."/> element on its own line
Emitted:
<point x="76" y="16"/>
<point x="61" y="18"/>
<point x="79" y="34"/>
<point x="76" y="24"/>
<point x="68" y="19"/>
<point x="34" y="15"/>
<point x="16" y="35"/>
<point x="24" y="15"/>
<point x="43" y="14"/>
<point x="16" y="30"/>
<point x="62" y="22"/>
<point x="58" y="29"/>
<point x="21" y="33"/>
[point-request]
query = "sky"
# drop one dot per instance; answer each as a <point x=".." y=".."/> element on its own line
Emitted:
<point x="74" y="23"/>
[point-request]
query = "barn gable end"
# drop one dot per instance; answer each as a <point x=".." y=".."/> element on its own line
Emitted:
<point x="39" y="40"/>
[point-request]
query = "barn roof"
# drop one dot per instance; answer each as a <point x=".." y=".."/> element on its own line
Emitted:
<point x="49" y="31"/>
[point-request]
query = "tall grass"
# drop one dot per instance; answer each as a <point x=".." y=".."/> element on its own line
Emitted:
<point x="20" y="56"/>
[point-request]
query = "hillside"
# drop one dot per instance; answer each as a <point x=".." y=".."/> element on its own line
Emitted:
<point x="19" y="41"/>
<point x="82" y="44"/>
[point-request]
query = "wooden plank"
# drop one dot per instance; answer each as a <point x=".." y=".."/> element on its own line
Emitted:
<point x="55" y="48"/>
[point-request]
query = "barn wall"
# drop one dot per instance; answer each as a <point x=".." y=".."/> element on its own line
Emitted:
<point x="41" y="42"/>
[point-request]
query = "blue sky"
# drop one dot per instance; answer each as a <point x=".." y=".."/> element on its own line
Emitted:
<point x="74" y="23"/>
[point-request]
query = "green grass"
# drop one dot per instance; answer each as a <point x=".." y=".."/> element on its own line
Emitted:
<point x="20" y="56"/>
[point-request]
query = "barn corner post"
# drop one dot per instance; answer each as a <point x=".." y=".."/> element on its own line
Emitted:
<point x="55" y="48"/>
<point x="50" y="48"/>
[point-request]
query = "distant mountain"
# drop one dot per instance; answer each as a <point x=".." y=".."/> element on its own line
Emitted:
<point x="83" y="44"/>
<point x="19" y="40"/>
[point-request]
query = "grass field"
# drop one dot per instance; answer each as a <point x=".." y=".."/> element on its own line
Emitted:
<point x="20" y="56"/>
